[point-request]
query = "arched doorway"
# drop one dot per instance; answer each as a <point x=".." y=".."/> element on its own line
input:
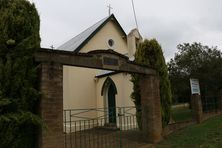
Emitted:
<point x="111" y="104"/>
<point x="109" y="92"/>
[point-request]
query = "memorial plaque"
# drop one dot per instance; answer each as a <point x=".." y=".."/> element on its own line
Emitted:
<point x="110" y="61"/>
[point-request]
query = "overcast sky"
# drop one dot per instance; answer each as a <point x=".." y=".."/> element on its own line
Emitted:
<point x="169" y="21"/>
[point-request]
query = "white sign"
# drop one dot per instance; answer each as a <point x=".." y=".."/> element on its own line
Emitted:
<point x="195" y="87"/>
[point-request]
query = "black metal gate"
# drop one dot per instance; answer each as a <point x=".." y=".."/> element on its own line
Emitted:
<point x="91" y="128"/>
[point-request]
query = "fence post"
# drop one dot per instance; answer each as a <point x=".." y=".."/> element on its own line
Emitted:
<point x="220" y="100"/>
<point x="51" y="106"/>
<point x="151" y="110"/>
<point x="196" y="105"/>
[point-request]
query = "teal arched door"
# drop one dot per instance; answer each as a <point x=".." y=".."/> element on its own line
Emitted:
<point x="109" y="92"/>
<point x="111" y="104"/>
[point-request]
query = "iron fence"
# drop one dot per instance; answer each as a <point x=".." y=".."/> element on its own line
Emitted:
<point x="101" y="127"/>
<point x="181" y="112"/>
<point x="209" y="103"/>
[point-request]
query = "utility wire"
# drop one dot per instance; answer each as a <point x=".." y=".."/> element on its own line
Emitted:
<point x="135" y="14"/>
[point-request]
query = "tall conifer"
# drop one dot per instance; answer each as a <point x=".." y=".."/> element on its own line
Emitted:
<point x="19" y="37"/>
<point x="149" y="53"/>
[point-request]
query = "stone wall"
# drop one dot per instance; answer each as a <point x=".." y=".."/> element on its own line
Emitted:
<point x="210" y="115"/>
<point x="176" y="126"/>
<point x="198" y="116"/>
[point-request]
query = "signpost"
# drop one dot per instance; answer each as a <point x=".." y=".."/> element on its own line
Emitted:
<point x="196" y="100"/>
<point x="195" y="87"/>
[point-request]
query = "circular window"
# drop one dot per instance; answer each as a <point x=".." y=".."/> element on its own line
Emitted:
<point x="110" y="42"/>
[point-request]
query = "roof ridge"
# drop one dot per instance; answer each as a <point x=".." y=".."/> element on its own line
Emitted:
<point x="77" y="42"/>
<point x="90" y="27"/>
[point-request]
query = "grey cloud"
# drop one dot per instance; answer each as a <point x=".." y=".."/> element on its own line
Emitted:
<point x="168" y="34"/>
<point x="211" y="23"/>
<point x="170" y="22"/>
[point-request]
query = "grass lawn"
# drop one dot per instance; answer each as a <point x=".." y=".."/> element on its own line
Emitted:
<point x="205" y="135"/>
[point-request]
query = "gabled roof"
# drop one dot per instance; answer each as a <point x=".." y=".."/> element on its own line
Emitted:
<point x="75" y="44"/>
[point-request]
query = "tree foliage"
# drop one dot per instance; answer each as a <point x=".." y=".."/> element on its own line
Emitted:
<point x="149" y="53"/>
<point x="195" y="61"/>
<point x="19" y="30"/>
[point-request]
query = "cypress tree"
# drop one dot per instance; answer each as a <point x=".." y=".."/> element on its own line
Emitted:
<point x="149" y="53"/>
<point x="19" y="30"/>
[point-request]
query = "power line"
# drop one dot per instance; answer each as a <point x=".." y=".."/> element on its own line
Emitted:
<point x="135" y="14"/>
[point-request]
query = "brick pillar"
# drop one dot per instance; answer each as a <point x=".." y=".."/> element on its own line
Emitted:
<point x="51" y="106"/>
<point x="196" y="105"/>
<point x="151" y="110"/>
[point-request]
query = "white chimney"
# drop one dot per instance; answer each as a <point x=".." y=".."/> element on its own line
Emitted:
<point x="133" y="39"/>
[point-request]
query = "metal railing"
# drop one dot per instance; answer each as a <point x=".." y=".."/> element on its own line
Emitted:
<point x="209" y="104"/>
<point x="181" y="112"/>
<point x="101" y="127"/>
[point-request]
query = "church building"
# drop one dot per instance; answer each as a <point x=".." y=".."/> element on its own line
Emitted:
<point x="94" y="88"/>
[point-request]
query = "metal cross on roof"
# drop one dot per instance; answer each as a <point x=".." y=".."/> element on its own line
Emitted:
<point x="52" y="47"/>
<point x="109" y="6"/>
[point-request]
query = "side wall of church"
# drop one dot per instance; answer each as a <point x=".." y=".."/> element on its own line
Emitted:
<point x="79" y="87"/>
